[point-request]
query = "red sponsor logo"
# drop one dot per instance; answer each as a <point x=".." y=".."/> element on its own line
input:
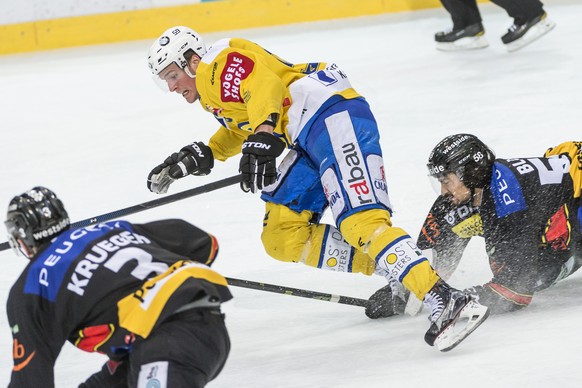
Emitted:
<point x="357" y="179"/>
<point x="237" y="68"/>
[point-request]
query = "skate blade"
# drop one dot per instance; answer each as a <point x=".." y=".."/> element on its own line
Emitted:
<point x="464" y="44"/>
<point x="534" y="33"/>
<point x="470" y="318"/>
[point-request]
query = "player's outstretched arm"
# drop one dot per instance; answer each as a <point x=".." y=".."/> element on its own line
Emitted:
<point x="446" y="231"/>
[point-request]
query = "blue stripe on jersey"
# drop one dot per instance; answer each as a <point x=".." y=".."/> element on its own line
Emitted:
<point x="222" y="121"/>
<point x="506" y="190"/>
<point x="354" y="106"/>
<point x="351" y="261"/>
<point x="46" y="273"/>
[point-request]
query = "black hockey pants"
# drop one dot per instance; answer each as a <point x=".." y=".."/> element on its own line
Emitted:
<point x="465" y="12"/>
<point x="187" y="350"/>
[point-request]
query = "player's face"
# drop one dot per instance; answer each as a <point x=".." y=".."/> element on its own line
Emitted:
<point x="181" y="82"/>
<point x="453" y="188"/>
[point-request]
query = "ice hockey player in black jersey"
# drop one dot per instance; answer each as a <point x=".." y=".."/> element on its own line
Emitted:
<point x="143" y="295"/>
<point x="527" y="209"/>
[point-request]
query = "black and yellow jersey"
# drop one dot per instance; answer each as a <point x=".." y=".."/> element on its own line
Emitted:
<point x="530" y="217"/>
<point x="242" y="84"/>
<point x="103" y="287"/>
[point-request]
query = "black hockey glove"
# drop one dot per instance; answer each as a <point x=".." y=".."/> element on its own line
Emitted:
<point x="258" y="162"/>
<point x="380" y="304"/>
<point x="195" y="159"/>
<point x="392" y="299"/>
<point x="112" y="375"/>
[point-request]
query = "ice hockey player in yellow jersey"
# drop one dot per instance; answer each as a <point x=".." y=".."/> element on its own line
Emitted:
<point x="265" y="105"/>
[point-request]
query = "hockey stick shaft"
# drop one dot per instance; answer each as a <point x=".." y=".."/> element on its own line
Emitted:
<point x="151" y="204"/>
<point x="297" y="292"/>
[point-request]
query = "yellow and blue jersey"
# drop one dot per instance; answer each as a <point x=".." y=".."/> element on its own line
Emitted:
<point x="242" y="84"/>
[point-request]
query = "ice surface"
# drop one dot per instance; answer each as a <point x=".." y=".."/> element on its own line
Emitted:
<point x="90" y="124"/>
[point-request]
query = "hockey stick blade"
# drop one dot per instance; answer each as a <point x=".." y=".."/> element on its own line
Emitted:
<point x="297" y="292"/>
<point x="219" y="184"/>
<point x="469" y="319"/>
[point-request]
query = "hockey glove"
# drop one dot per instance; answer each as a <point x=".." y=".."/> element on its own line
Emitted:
<point x="195" y="159"/>
<point x="258" y="162"/>
<point x="159" y="179"/>
<point x="380" y="304"/>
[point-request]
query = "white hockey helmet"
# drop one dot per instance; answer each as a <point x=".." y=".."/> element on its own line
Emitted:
<point x="171" y="46"/>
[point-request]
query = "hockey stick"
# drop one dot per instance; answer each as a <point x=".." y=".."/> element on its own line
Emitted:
<point x="298" y="292"/>
<point x="151" y="204"/>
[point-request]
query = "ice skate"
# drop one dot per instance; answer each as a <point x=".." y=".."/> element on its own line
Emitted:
<point x="453" y="315"/>
<point x="469" y="38"/>
<point x="519" y="36"/>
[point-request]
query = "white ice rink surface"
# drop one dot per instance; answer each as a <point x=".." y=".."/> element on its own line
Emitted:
<point x="89" y="123"/>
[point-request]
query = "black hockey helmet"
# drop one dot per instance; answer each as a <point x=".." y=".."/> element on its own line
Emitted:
<point x="464" y="155"/>
<point x="35" y="217"/>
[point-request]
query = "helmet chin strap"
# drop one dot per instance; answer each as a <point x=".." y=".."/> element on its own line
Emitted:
<point x="21" y="249"/>
<point x="193" y="76"/>
<point x="187" y="70"/>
